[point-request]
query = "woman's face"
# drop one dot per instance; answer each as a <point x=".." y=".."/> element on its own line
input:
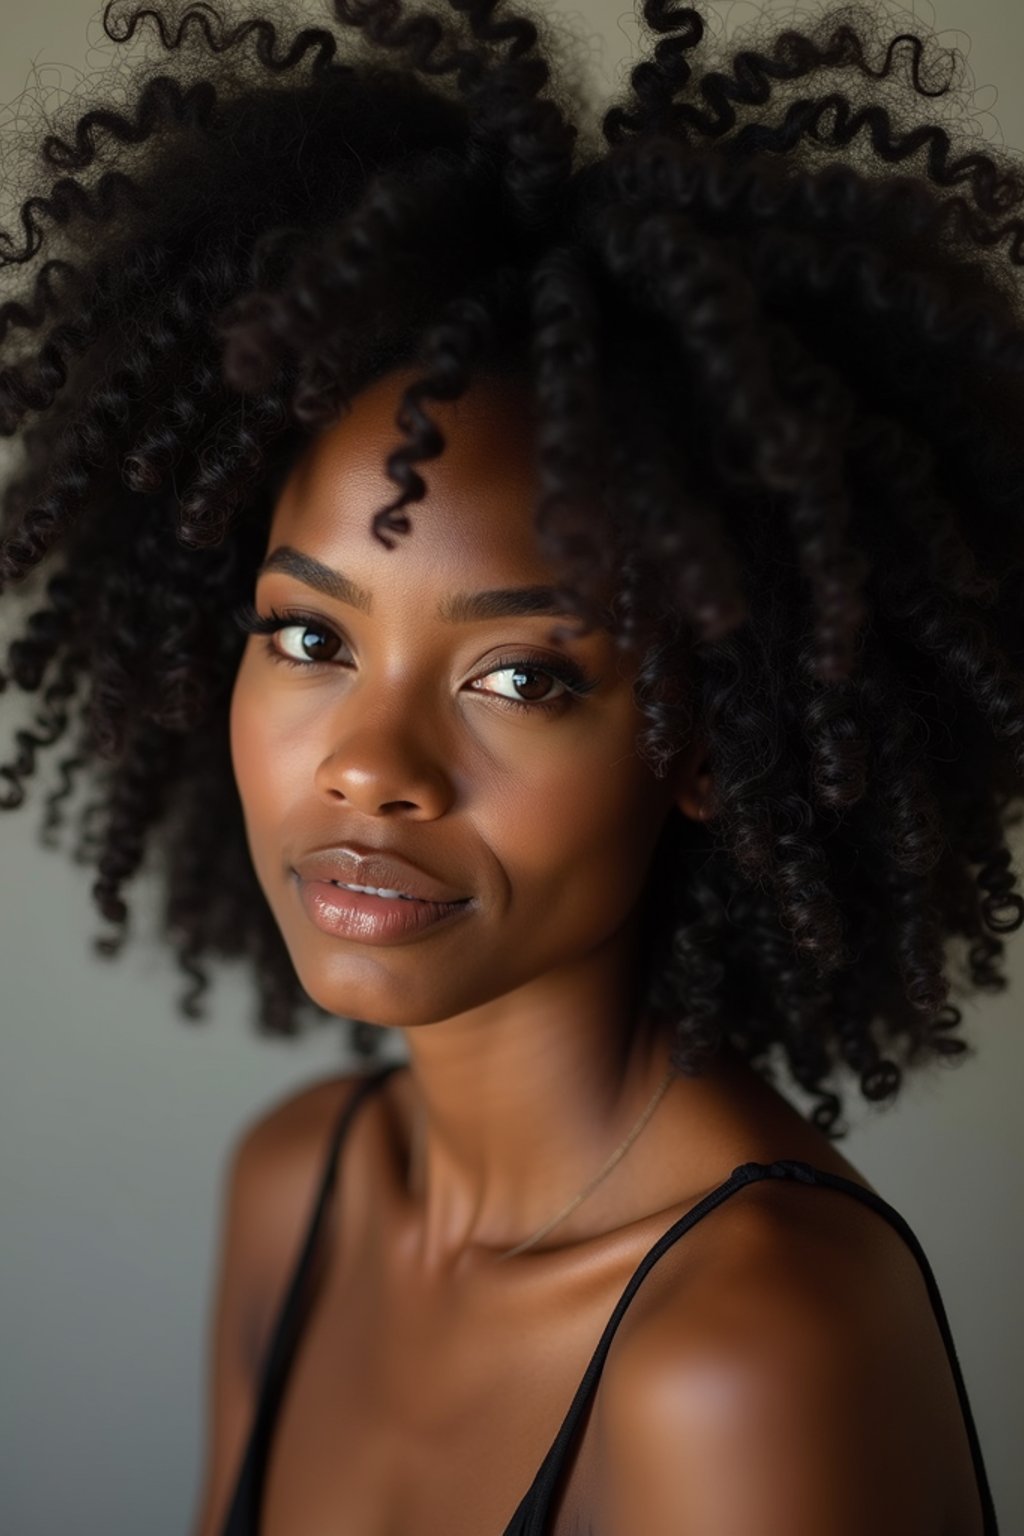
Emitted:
<point x="408" y="727"/>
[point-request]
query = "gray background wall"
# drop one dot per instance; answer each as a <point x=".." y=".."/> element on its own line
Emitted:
<point x="115" y="1114"/>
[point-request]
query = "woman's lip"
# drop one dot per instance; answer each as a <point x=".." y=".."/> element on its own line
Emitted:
<point x="383" y="869"/>
<point x="372" y="919"/>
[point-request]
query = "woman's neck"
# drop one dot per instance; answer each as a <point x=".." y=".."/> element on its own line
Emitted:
<point x="518" y="1104"/>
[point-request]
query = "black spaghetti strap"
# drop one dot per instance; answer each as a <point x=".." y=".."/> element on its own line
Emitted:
<point x="532" y="1513"/>
<point x="243" y="1514"/>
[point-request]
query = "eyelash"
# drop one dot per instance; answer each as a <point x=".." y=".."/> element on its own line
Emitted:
<point x="573" y="679"/>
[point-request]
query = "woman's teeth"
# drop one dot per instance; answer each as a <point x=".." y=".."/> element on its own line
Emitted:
<point x="374" y="890"/>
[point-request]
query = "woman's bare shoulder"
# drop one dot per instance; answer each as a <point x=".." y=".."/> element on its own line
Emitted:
<point x="279" y="1141"/>
<point x="274" y="1170"/>
<point x="799" y="1344"/>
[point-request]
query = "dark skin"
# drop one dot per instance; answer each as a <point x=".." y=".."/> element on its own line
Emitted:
<point x="782" y="1347"/>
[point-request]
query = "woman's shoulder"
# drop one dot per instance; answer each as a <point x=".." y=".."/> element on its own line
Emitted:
<point x="275" y="1166"/>
<point x="285" y="1135"/>
<point x="796" y="1346"/>
<point x="277" y="1155"/>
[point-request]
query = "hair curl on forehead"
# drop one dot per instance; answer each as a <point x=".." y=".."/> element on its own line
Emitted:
<point x="768" y="309"/>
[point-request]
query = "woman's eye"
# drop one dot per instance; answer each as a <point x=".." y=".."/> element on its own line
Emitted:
<point x="536" y="685"/>
<point x="525" y="684"/>
<point x="287" y="635"/>
<point x="293" y="642"/>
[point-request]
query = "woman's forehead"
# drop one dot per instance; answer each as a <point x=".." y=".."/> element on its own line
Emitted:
<point x="478" y="510"/>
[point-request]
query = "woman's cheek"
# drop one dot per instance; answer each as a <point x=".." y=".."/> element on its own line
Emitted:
<point x="256" y="742"/>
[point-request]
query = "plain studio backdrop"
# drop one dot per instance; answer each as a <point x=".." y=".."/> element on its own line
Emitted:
<point x="116" y="1113"/>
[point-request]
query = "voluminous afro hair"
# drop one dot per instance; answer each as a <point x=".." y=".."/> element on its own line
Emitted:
<point x="774" y="338"/>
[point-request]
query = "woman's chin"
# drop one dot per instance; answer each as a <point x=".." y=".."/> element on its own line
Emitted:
<point x="353" y="1004"/>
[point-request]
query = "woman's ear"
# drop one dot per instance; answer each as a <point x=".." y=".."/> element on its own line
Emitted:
<point x="693" y="794"/>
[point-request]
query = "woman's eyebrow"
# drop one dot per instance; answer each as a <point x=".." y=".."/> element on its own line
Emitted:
<point x="502" y="603"/>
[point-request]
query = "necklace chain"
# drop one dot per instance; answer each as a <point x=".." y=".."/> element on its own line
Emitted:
<point x="616" y="1156"/>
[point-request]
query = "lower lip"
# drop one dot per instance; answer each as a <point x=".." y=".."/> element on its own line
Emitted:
<point x="372" y="919"/>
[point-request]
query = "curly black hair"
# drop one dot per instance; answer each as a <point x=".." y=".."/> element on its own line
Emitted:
<point x="778" y="394"/>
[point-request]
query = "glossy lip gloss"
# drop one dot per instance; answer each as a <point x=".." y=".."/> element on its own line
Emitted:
<point x="372" y="919"/>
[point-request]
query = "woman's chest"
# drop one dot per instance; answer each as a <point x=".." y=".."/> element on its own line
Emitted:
<point x="415" y="1421"/>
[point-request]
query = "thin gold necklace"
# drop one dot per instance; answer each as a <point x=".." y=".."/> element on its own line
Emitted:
<point x="617" y="1155"/>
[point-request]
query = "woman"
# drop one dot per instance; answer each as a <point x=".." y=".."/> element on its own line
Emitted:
<point x="669" y="718"/>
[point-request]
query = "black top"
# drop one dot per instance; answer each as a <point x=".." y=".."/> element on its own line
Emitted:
<point x="530" y="1518"/>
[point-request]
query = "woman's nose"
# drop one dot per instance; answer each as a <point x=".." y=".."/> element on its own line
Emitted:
<point x="383" y="765"/>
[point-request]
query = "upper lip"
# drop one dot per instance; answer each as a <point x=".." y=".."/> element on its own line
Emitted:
<point x="353" y="864"/>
